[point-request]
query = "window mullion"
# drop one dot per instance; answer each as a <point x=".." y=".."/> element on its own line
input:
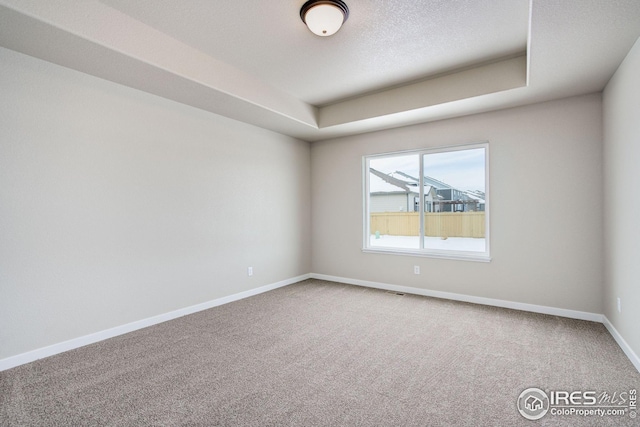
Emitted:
<point x="367" y="205"/>
<point x="421" y="203"/>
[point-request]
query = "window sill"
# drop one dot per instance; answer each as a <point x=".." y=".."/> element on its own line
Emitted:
<point x="458" y="256"/>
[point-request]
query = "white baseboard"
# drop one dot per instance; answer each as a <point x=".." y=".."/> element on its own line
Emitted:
<point x="30" y="356"/>
<point x="21" y="359"/>
<point x="633" y="357"/>
<point x="572" y="314"/>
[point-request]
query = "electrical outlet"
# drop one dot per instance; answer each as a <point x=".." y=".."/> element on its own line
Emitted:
<point x="619" y="306"/>
<point x="250" y="271"/>
<point x="416" y="269"/>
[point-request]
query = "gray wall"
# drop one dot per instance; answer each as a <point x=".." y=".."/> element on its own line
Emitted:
<point x="116" y="205"/>
<point x="622" y="201"/>
<point x="543" y="251"/>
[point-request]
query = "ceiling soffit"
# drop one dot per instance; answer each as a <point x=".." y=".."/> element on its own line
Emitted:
<point x="97" y="39"/>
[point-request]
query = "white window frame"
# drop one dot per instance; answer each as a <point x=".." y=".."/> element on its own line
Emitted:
<point x="424" y="252"/>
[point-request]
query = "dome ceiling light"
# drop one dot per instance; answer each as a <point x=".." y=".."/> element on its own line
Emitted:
<point x="324" y="17"/>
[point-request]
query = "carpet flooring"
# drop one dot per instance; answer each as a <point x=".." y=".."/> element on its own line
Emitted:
<point x="318" y="353"/>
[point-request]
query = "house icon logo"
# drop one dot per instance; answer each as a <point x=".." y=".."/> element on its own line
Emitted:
<point x="533" y="403"/>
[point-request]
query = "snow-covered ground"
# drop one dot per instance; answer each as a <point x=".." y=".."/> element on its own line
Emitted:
<point x="412" y="242"/>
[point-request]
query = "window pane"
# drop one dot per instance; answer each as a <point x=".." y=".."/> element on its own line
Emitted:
<point x="454" y="192"/>
<point x="394" y="195"/>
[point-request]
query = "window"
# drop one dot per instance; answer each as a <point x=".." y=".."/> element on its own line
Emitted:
<point x="432" y="202"/>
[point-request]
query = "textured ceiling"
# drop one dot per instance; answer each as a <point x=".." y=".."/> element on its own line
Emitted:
<point x="383" y="43"/>
<point x="394" y="62"/>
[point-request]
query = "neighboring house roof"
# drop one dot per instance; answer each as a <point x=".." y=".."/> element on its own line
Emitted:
<point x="477" y="193"/>
<point x="474" y="195"/>
<point x="403" y="176"/>
<point x="378" y="185"/>
<point x="381" y="182"/>
<point x="413" y="182"/>
<point x="438" y="185"/>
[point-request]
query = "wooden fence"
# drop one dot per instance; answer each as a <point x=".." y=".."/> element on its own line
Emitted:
<point x="436" y="224"/>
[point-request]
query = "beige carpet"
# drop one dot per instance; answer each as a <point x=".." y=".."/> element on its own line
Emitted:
<point x="324" y="354"/>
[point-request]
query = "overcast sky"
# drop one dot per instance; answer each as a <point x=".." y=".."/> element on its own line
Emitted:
<point x="463" y="169"/>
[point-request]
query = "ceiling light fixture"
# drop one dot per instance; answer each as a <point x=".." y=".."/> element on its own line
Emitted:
<point x="324" y="17"/>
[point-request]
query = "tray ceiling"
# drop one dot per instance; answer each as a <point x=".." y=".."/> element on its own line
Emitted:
<point x="393" y="63"/>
